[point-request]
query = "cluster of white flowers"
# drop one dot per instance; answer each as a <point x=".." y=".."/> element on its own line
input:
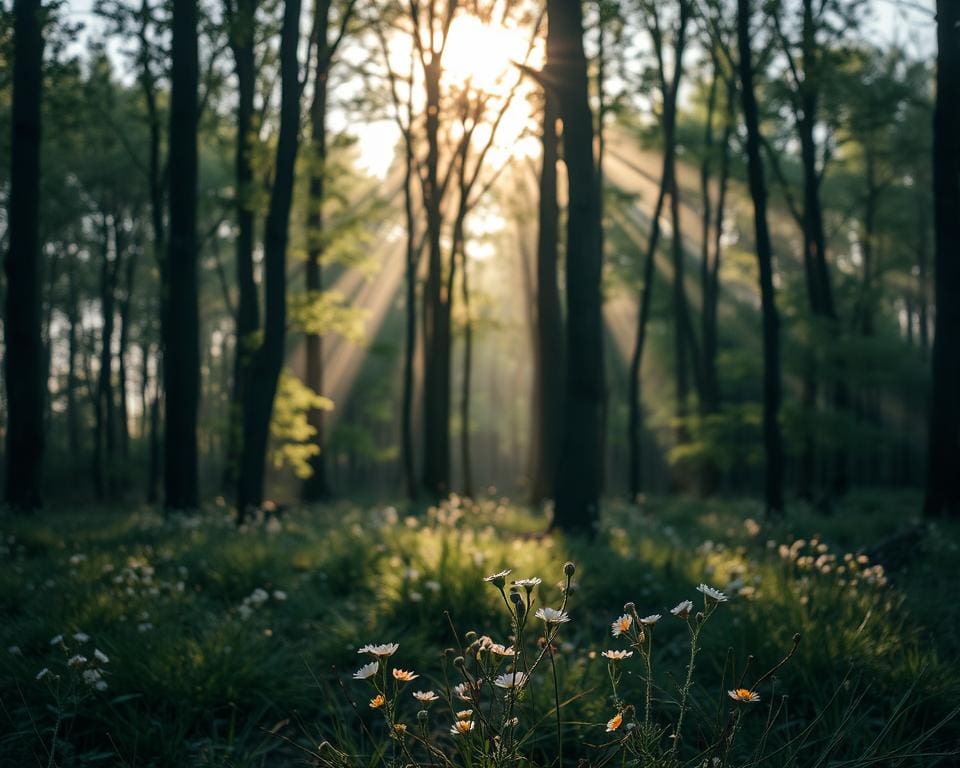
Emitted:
<point x="92" y="667"/>
<point x="814" y="556"/>
<point x="257" y="599"/>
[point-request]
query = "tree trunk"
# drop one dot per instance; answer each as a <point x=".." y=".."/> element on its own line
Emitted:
<point x="580" y="465"/>
<point x="943" y="450"/>
<point x="773" y="494"/>
<point x="465" y="462"/>
<point x="181" y="332"/>
<point x="247" y="321"/>
<point x="125" y="312"/>
<point x="73" y="319"/>
<point x="22" y="335"/>
<point x="410" y="341"/>
<point x="317" y="487"/>
<point x="267" y="361"/>
<point x="548" y="346"/>
<point x="104" y="472"/>
<point x="436" y="383"/>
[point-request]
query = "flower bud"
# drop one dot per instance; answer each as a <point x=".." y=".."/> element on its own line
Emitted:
<point x="470" y="636"/>
<point x="629" y="608"/>
<point x="569" y="568"/>
<point x="422" y="715"/>
<point x="459" y="662"/>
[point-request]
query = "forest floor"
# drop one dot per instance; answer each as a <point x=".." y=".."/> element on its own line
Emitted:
<point x="203" y="644"/>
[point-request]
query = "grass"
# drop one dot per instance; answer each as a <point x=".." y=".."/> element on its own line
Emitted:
<point x="228" y="647"/>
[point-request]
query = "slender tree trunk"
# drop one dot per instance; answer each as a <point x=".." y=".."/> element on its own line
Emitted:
<point x="923" y="279"/>
<point x="436" y="434"/>
<point x="410" y="341"/>
<point x="181" y="332"/>
<point x="267" y="361"/>
<point x="22" y="336"/>
<point x="580" y="465"/>
<point x="548" y="346"/>
<point x="317" y="487"/>
<point x="465" y="461"/>
<point x="242" y="37"/>
<point x="773" y="494"/>
<point x="103" y="453"/>
<point x="943" y="451"/>
<point x="125" y="312"/>
<point x="73" y="319"/>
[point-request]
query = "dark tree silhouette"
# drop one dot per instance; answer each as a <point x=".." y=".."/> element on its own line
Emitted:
<point x="773" y="484"/>
<point x="24" y="359"/>
<point x="580" y="464"/>
<point x="943" y="462"/>
<point x="548" y="386"/>
<point x="267" y="361"/>
<point x="241" y="21"/>
<point x="181" y="353"/>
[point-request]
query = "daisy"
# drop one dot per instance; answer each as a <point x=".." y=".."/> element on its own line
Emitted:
<point x="77" y="661"/>
<point x="650" y="620"/>
<point x="552" y="616"/>
<point x="464" y="714"/>
<point x="510" y="680"/>
<point x="56" y="640"/>
<point x="500" y="650"/>
<point x="377" y="701"/>
<point x="399" y="728"/>
<point x="44" y="673"/>
<point x="366" y="671"/>
<point x="101" y="656"/>
<point x="744" y="695"/>
<point x="425" y="697"/>
<point x="81" y="637"/>
<point x="404" y="675"/>
<point x="498" y="579"/>
<point x="385" y="649"/>
<point x="622" y="625"/>
<point x="527" y="584"/>
<point x="461" y="727"/>
<point x="682" y="609"/>
<point x="714" y="595"/>
<point x="614" y="722"/>
<point x="464" y="691"/>
<point x="617" y="655"/>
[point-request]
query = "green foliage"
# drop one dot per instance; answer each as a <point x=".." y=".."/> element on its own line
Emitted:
<point x="292" y="432"/>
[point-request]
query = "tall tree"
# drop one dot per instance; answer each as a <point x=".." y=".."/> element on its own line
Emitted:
<point x="943" y="450"/>
<point x="548" y="394"/>
<point x="267" y="361"/>
<point x="241" y="21"/>
<point x="580" y="464"/>
<point x="773" y="482"/>
<point x="181" y="332"/>
<point x="317" y="486"/>
<point x="24" y="360"/>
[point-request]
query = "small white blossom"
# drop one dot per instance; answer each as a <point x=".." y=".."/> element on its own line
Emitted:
<point x="552" y="616"/>
<point x="81" y="637"/>
<point x="510" y="680"/>
<point x="682" y="609"/>
<point x="366" y="671"/>
<point x="650" y="620"/>
<point x="712" y="594"/>
<point x="384" y="649"/>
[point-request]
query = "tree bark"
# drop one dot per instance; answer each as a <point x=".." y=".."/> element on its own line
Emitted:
<point x="22" y="335"/>
<point x="943" y="449"/>
<point x="580" y="465"/>
<point x="548" y="358"/>
<point x="773" y="492"/>
<point x="181" y="342"/>
<point x="267" y="360"/>
<point x="242" y="25"/>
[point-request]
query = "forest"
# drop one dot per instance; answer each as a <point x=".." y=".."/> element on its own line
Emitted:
<point x="381" y="376"/>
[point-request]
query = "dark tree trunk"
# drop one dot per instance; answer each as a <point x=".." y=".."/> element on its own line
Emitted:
<point x="181" y="332"/>
<point x="104" y="427"/>
<point x="436" y="310"/>
<point x="465" y="461"/>
<point x="267" y="361"/>
<point x="548" y="362"/>
<point x="580" y="464"/>
<point x="943" y="450"/>
<point x="410" y="340"/>
<point x="317" y="487"/>
<point x="242" y="29"/>
<point x="22" y="335"/>
<point x="773" y="494"/>
<point x="126" y="308"/>
<point x="923" y="278"/>
<point x="73" y="319"/>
